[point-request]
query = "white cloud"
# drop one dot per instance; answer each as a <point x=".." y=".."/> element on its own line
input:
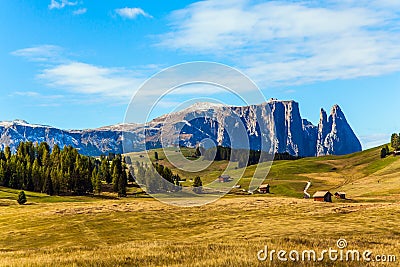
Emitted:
<point x="95" y="83"/>
<point x="27" y="94"/>
<point x="87" y="79"/>
<point x="54" y="4"/>
<point x="290" y="42"/>
<point x="132" y="12"/>
<point x="80" y="11"/>
<point x="32" y="94"/>
<point x="40" y="53"/>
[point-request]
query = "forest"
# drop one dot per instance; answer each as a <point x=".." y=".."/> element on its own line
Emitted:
<point x="244" y="157"/>
<point x="36" y="167"/>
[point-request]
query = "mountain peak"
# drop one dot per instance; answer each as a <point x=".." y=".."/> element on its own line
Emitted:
<point x="203" y="106"/>
<point x="207" y="105"/>
<point x="335" y="135"/>
<point x="337" y="112"/>
<point x="323" y="117"/>
<point x="336" y="109"/>
<point x="19" y="121"/>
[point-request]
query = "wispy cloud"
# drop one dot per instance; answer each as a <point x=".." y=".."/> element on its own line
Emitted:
<point x="291" y="42"/>
<point x="39" y="99"/>
<point x="40" y="53"/>
<point x="56" y="70"/>
<point x="32" y="94"/>
<point x="131" y="12"/>
<point x="26" y="93"/>
<point x="54" y="4"/>
<point x="80" y="11"/>
<point x="374" y="140"/>
<point x="94" y="80"/>
<point x="118" y="85"/>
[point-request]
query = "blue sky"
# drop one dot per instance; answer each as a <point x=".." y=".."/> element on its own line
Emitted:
<point x="76" y="64"/>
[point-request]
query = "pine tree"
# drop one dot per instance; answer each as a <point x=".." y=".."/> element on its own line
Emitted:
<point x="122" y="182"/>
<point x="395" y="141"/>
<point x="48" y="185"/>
<point x="96" y="181"/>
<point x="131" y="174"/>
<point x="105" y="171"/>
<point x="36" y="176"/>
<point x="115" y="179"/>
<point x="198" y="152"/>
<point x="7" y="153"/>
<point x="21" y="198"/>
<point x="383" y="153"/>
<point x="2" y="171"/>
<point x="197" y="185"/>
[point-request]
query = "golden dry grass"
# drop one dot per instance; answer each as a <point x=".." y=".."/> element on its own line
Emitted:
<point x="230" y="232"/>
<point x="86" y="231"/>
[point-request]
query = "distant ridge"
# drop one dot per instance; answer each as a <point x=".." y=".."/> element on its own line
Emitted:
<point x="283" y="126"/>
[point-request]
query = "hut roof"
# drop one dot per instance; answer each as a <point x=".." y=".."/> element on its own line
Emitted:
<point x="264" y="186"/>
<point x="321" y="193"/>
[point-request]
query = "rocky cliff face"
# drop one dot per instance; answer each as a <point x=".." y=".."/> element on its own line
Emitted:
<point x="275" y="126"/>
<point x="335" y="136"/>
<point x="89" y="142"/>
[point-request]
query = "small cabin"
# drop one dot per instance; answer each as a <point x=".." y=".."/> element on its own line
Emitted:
<point x="264" y="189"/>
<point x="224" y="178"/>
<point x="396" y="153"/>
<point x="323" y="196"/>
<point x="340" y="195"/>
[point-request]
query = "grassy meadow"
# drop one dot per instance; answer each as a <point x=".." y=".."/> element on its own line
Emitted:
<point x="140" y="231"/>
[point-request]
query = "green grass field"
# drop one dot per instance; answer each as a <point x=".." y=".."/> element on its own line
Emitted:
<point x="357" y="174"/>
<point x="140" y="231"/>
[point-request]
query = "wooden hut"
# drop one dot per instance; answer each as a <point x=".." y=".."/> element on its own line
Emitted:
<point x="264" y="189"/>
<point x="340" y="195"/>
<point x="224" y="178"/>
<point x="323" y="196"/>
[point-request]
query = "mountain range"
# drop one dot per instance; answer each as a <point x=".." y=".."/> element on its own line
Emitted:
<point x="276" y="124"/>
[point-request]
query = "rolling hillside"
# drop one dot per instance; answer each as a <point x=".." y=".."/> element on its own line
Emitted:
<point x="363" y="175"/>
<point x="140" y="231"/>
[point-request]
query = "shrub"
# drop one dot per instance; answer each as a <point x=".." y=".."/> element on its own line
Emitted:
<point x="21" y="198"/>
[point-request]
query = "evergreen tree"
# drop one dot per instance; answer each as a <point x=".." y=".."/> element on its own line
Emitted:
<point x="395" y="141"/>
<point x="197" y="185"/>
<point x="96" y="181"/>
<point x="383" y="153"/>
<point x="21" y="198"/>
<point x="115" y="179"/>
<point x="197" y="153"/>
<point x="122" y="182"/>
<point x="2" y="171"/>
<point x="105" y="171"/>
<point x="7" y="153"/>
<point x="131" y="174"/>
<point x="36" y="176"/>
<point x="48" y="185"/>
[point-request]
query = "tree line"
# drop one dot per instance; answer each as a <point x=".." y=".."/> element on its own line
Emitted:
<point x="244" y="157"/>
<point x="394" y="143"/>
<point x="38" y="168"/>
<point x="157" y="178"/>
